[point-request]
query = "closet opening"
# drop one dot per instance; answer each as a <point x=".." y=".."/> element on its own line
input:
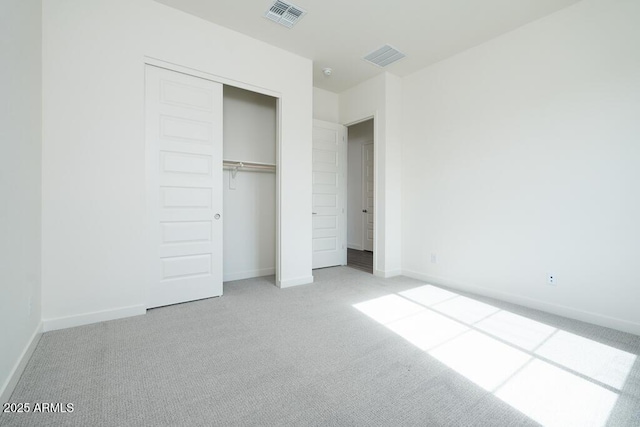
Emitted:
<point x="360" y="196"/>
<point x="249" y="185"/>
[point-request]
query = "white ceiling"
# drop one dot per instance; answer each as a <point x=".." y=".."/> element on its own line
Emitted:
<point x="338" y="34"/>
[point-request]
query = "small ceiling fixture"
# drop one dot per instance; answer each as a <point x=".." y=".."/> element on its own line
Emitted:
<point x="384" y="56"/>
<point x="284" y="13"/>
<point x="327" y="71"/>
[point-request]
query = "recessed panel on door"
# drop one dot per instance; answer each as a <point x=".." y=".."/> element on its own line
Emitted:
<point x="185" y="197"/>
<point x="187" y="95"/>
<point x="186" y="130"/>
<point x="186" y="266"/>
<point x="185" y="163"/>
<point x="185" y="232"/>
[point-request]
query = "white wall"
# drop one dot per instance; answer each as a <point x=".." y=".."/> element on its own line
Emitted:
<point x="249" y="126"/>
<point x="250" y="204"/>
<point x="20" y="186"/>
<point x="326" y="105"/>
<point x="95" y="228"/>
<point x="358" y="135"/>
<point x="521" y="159"/>
<point x="393" y="173"/>
<point x="381" y="97"/>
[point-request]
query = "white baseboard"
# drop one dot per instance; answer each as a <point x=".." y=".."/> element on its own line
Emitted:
<point x="295" y="282"/>
<point x="93" y="317"/>
<point x="387" y="273"/>
<point x="558" y="309"/>
<point x="10" y="383"/>
<point x="249" y="274"/>
<point x="354" y="246"/>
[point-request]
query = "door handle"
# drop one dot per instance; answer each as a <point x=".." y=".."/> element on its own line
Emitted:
<point x="217" y="216"/>
<point x="314" y="213"/>
<point x="364" y="210"/>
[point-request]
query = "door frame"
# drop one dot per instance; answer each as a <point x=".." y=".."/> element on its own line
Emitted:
<point x="377" y="253"/>
<point x="363" y="191"/>
<point x="147" y="60"/>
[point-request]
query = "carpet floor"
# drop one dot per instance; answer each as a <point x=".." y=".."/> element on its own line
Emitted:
<point x="351" y="349"/>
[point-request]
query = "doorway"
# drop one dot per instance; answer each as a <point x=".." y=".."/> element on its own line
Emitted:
<point x="249" y="184"/>
<point x="360" y="195"/>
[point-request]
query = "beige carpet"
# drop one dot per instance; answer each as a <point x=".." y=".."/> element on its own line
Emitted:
<point x="341" y="351"/>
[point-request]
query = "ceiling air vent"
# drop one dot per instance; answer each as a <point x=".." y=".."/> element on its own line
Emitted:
<point x="286" y="14"/>
<point x="384" y="56"/>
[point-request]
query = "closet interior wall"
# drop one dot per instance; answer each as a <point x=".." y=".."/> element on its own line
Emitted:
<point x="249" y="198"/>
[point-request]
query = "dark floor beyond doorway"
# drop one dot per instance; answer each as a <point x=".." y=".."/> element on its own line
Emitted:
<point x="362" y="260"/>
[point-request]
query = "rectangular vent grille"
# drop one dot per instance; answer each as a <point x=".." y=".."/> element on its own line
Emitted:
<point x="285" y="14"/>
<point x="384" y="56"/>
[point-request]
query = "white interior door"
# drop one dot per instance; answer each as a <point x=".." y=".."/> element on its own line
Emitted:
<point x="367" y="196"/>
<point x="329" y="194"/>
<point x="184" y="149"/>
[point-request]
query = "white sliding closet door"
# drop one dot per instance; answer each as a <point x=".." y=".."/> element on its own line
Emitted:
<point x="329" y="194"/>
<point x="184" y="160"/>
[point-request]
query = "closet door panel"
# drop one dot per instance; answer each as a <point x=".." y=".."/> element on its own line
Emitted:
<point x="184" y="162"/>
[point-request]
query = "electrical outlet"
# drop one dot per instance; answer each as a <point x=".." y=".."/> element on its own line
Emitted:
<point x="434" y="259"/>
<point x="551" y="279"/>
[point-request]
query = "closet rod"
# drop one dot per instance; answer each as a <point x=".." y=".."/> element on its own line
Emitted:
<point x="234" y="164"/>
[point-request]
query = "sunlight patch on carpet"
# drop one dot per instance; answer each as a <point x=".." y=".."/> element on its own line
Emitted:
<point x="554" y="377"/>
